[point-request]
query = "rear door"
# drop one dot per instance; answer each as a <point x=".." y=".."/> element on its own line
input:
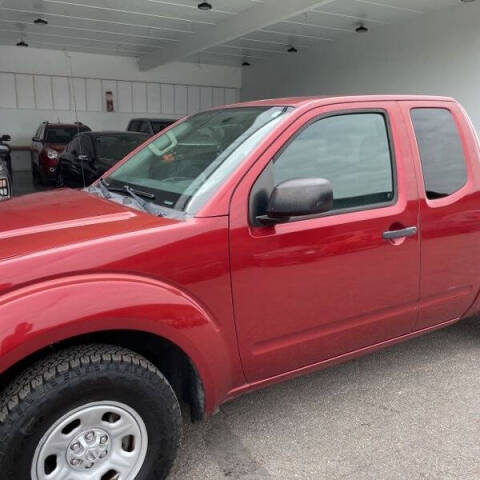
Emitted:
<point x="313" y="289"/>
<point x="447" y="169"/>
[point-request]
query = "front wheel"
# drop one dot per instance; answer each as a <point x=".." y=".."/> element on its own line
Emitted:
<point x="93" y="412"/>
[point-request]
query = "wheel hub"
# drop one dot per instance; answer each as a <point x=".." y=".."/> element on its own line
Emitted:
<point x="88" y="449"/>
<point x="97" y="441"/>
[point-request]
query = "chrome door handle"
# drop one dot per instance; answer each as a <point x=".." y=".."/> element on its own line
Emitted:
<point x="404" y="232"/>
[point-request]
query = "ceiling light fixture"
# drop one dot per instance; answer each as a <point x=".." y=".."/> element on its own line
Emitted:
<point x="292" y="49"/>
<point x="40" y="21"/>
<point x="361" y="29"/>
<point x="21" y="43"/>
<point x="205" y="6"/>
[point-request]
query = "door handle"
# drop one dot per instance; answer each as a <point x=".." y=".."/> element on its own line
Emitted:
<point x="404" y="232"/>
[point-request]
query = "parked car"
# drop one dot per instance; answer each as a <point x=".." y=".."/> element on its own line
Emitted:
<point x="5" y="153"/>
<point x="5" y="168"/>
<point x="49" y="140"/>
<point x="244" y="246"/>
<point x="89" y="155"/>
<point x="5" y="181"/>
<point x="150" y="126"/>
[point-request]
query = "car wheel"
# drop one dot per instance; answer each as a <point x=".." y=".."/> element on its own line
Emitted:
<point x="94" y="412"/>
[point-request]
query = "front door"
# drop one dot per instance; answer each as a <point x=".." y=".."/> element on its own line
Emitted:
<point x="316" y="288"/>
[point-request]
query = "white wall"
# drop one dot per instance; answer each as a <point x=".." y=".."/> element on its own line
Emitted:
<point x="38" y="85"/>
<point x="437" y="54"/>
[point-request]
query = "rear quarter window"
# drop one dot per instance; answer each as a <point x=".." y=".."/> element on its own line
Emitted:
<point x="441" y="151"/>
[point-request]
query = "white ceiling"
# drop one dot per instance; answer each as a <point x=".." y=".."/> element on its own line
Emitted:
<point x="158" y="31"/>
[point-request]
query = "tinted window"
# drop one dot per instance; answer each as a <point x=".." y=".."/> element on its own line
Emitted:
<point x="112" y="148"/>
<point x="351" y="151"/>
<point x="158" y="126"/>
<point x="133" y="126"/>
<point x="86" y="146"/>
<point x="74" y="147"/>
<point x="60" y="135"/>
<point x="441" y="152"/>
<point x="145" y="127"/>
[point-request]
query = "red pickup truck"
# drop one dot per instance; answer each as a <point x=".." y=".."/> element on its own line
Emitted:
<point x="240" y="247"/>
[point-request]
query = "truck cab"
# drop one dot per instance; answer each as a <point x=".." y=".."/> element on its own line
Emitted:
<point x="241" y="247"/>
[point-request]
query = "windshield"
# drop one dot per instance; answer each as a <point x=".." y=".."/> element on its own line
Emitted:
<point x="186" y="164"/>
<point x="112" y="148"/>
<point x="61" y="135"/>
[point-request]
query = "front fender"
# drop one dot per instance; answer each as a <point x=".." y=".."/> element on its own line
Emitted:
<point x="38" y="315"/>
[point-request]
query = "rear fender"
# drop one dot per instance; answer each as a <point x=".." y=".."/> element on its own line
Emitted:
<point x="36" y="316"/>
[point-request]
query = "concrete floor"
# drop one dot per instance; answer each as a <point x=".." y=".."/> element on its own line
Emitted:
<point x="409" y="412"/>
<point x="23" y="183"/>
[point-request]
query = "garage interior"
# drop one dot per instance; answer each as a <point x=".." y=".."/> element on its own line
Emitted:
<point x="408" y="412"/>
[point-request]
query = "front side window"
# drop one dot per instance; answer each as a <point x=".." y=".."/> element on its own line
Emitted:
<point x="351" y="151"/>
<point x="86" y="146"/>
<point x="181" y="168"/>
<point x="74" y="147"/>
<point x="441" y="152"/>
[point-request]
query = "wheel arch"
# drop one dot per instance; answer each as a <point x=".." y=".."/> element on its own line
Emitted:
<point x="171" y="360"/>
<point x="142" y="314"/>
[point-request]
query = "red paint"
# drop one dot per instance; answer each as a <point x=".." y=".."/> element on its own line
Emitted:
<point x="250" y="305"/>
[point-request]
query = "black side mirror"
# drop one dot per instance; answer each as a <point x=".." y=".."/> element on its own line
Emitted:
<point x="36" y="139"/>
<point x="297" y="198"/>
<point x="5" y="138"/>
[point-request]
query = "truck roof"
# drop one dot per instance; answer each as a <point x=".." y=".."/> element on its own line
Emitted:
<point x="325" y="100"/>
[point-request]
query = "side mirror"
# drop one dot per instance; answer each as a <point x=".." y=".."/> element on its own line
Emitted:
<point x="297" y="198"/>
<point x="5" y="138"/>
<point x="36" y="139"/>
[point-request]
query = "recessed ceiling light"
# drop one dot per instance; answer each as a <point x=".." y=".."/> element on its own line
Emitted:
<point x="361" y="29"/>
<point x="40" y="21"/>
<point x="292" y="49"/>
<point x="204" y="6"/>
<point x="21" y="43"/>
<point x="245" y="64"/>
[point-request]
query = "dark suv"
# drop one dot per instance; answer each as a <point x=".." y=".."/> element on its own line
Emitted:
<point x="49" y="140"/>
<point x="91" y="154"/>
<point x="150" y="126"/>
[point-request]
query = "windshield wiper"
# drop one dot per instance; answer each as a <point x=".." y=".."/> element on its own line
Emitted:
<point x="139" y="200"/>
<point x="106" y="188"/>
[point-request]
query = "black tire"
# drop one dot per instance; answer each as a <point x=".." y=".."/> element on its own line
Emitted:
<point x="77" y="376"/>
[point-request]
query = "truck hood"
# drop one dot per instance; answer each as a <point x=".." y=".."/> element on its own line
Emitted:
<point x="42" y="221"/>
